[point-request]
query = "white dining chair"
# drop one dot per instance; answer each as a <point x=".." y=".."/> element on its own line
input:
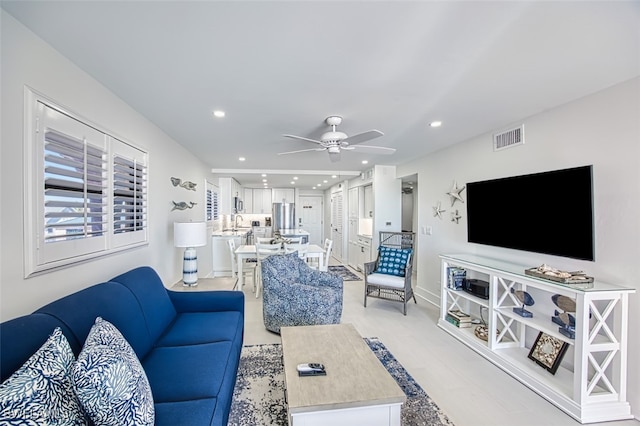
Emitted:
<point x="301" y="248"/>
<point x="263" y="240"/>
<point x="262" y="252"/>
<point x="248" y="265"/>
<point x="328" y="246"/>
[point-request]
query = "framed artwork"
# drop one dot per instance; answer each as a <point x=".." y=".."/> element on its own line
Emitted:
<point x="547" y="351"/>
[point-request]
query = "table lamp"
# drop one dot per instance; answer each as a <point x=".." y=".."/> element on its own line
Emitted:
<point x="190" y="235"/>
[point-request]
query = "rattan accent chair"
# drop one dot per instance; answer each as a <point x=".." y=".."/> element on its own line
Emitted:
<point x="389" y="276"/>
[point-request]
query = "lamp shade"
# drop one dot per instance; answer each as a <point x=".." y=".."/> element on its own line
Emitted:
<point x="189" y="234"/>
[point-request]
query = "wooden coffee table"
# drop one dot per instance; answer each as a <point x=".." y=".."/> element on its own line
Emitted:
<point x="357" y="389"/>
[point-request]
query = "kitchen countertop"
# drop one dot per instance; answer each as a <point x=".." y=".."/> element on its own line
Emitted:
<point x="240" y="232"/>
<point x="293" y="232"/>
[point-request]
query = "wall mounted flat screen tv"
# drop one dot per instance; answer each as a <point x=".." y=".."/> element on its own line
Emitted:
<point x="549" y="212"/>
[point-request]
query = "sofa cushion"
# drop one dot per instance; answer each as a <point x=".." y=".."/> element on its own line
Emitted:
<point x="40" y="392"/>
<point x="154" y="301"/>
<point x="392" y="260"/>
<point x="386" y="280"/>
<point x="202" y="327"/>
<point x="196" y="412"/>
<point x="180" y="373"/>
<point x="109" y="380"/>
<point x="111" y="301"/>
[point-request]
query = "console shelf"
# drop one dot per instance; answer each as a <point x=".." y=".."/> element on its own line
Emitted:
<point x="590" y="383"/>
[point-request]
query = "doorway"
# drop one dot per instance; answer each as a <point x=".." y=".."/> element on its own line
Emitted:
<point x="310" y="218"/>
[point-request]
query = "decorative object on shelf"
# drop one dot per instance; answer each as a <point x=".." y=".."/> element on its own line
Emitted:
<point x="458" y="318"/>
<point x="182" y="205"/>
<point x="526" y="300"/>
<point x="547" y="272"/>
<point x="454" y="193"/>
<point x="547" y="351"/>
<point x="456" y="277"/>
<point x="482" y="332"/>
<point x="191" y="186"/>
<point x="190" y="235"/>
<point x="566" y="319"/>
<point x="455" y="217"/>
<point x="438" y="210"/>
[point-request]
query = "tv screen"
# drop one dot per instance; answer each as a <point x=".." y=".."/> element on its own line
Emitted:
<point x="550" y="213"/>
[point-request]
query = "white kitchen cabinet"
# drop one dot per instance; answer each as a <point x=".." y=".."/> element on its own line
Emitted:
<point x="590" y="383"/>
<point x="222" y="254"/>
<point x="368" y="202"/>
<point x="286" y="194"/>
<point x="229" y="189"/>
<point x="247" y="200"/>
<point x="262" y="201"/>
<point x="363" y="251"/>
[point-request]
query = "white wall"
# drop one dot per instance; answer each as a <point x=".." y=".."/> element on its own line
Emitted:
<point x="602" y="129"/>
<point x="27" y="60"/>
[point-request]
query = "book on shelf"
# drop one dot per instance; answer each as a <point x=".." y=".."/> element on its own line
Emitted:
<point x="455" y="321"/>
<point x="456" y="277"/>
<point x="459" y="315"/>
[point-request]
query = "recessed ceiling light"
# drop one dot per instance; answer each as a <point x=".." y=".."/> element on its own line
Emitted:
<point x="264" y="175"/>
<point x="295" y="178"/>
<point x="365" y="162"/>
<point x="334" y="176"/>
<point x="435" y="124"/>
<point x="241" y="158"/>
<point x="325" y="181"/>
<point x="318" y="184"/>
<point x="219" y="113"/>
<point x="264" y="180"/>
<point x="293" y="183"/>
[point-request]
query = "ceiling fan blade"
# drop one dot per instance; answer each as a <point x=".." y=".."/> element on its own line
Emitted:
<point x="374" y="149"/>
<point x="301" y="150"/>
<point x="302" y="138"/>
<point x="334" y="156"/>
<point x="362" y="137"/>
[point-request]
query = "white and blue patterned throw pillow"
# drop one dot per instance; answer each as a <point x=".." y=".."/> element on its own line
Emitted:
<point x="109" y="380"/>
<point x="393" y="261"/>
<point x="40" y="392"/>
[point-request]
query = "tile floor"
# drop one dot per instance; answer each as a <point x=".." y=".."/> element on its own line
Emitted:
<point x="469" y="389"/>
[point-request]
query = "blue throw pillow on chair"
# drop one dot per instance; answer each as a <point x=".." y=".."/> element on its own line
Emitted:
<point x="393" y="261"/>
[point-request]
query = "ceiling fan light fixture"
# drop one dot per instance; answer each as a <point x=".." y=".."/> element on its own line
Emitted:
<point x="333" y="136"/>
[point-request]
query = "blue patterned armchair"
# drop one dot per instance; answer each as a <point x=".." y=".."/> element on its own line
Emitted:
<point x="294" y="294"/>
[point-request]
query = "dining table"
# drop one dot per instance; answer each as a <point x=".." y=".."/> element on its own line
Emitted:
<point x="248" y="251"/>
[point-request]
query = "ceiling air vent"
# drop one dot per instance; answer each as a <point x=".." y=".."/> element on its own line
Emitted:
<point x="508" y="138"/>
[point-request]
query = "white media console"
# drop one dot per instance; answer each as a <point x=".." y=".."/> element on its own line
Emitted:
<point x="590" y="383"/>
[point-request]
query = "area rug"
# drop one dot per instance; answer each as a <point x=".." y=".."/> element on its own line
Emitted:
<point x="344" y="272"/>
<point x="258" y="398"/>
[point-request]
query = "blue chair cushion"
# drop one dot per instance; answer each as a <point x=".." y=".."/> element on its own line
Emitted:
<point x="40" y="392"/>
<point x="109" y="380"/>
<point x="392" y="260"/>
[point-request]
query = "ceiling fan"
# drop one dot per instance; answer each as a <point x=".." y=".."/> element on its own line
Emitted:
<point x="334" y="141"/>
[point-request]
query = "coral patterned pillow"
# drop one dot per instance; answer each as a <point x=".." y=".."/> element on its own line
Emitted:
<point x="109" y="380"/>
<point x="40" y="392"/>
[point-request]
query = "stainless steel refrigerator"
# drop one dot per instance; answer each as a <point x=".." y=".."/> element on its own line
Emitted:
<point x="283" y="216"/>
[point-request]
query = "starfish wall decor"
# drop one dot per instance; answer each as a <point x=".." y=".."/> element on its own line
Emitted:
<point x="455" y="193"/>
<point x="455" y="217"/>
<point x="438" y="210"/>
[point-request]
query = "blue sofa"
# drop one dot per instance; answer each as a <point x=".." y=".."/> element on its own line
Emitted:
<point x="188" y="343"/>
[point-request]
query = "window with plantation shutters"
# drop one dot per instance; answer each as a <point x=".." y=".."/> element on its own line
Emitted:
<point x="212" y="207"/>
<point x="86" y="191"/>
<point x="75" y="181"/>
<point x="129" y="194"/>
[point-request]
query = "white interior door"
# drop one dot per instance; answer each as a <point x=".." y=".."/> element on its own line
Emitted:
<point x="310" y="217"/>
<point x="336" y="225"/>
